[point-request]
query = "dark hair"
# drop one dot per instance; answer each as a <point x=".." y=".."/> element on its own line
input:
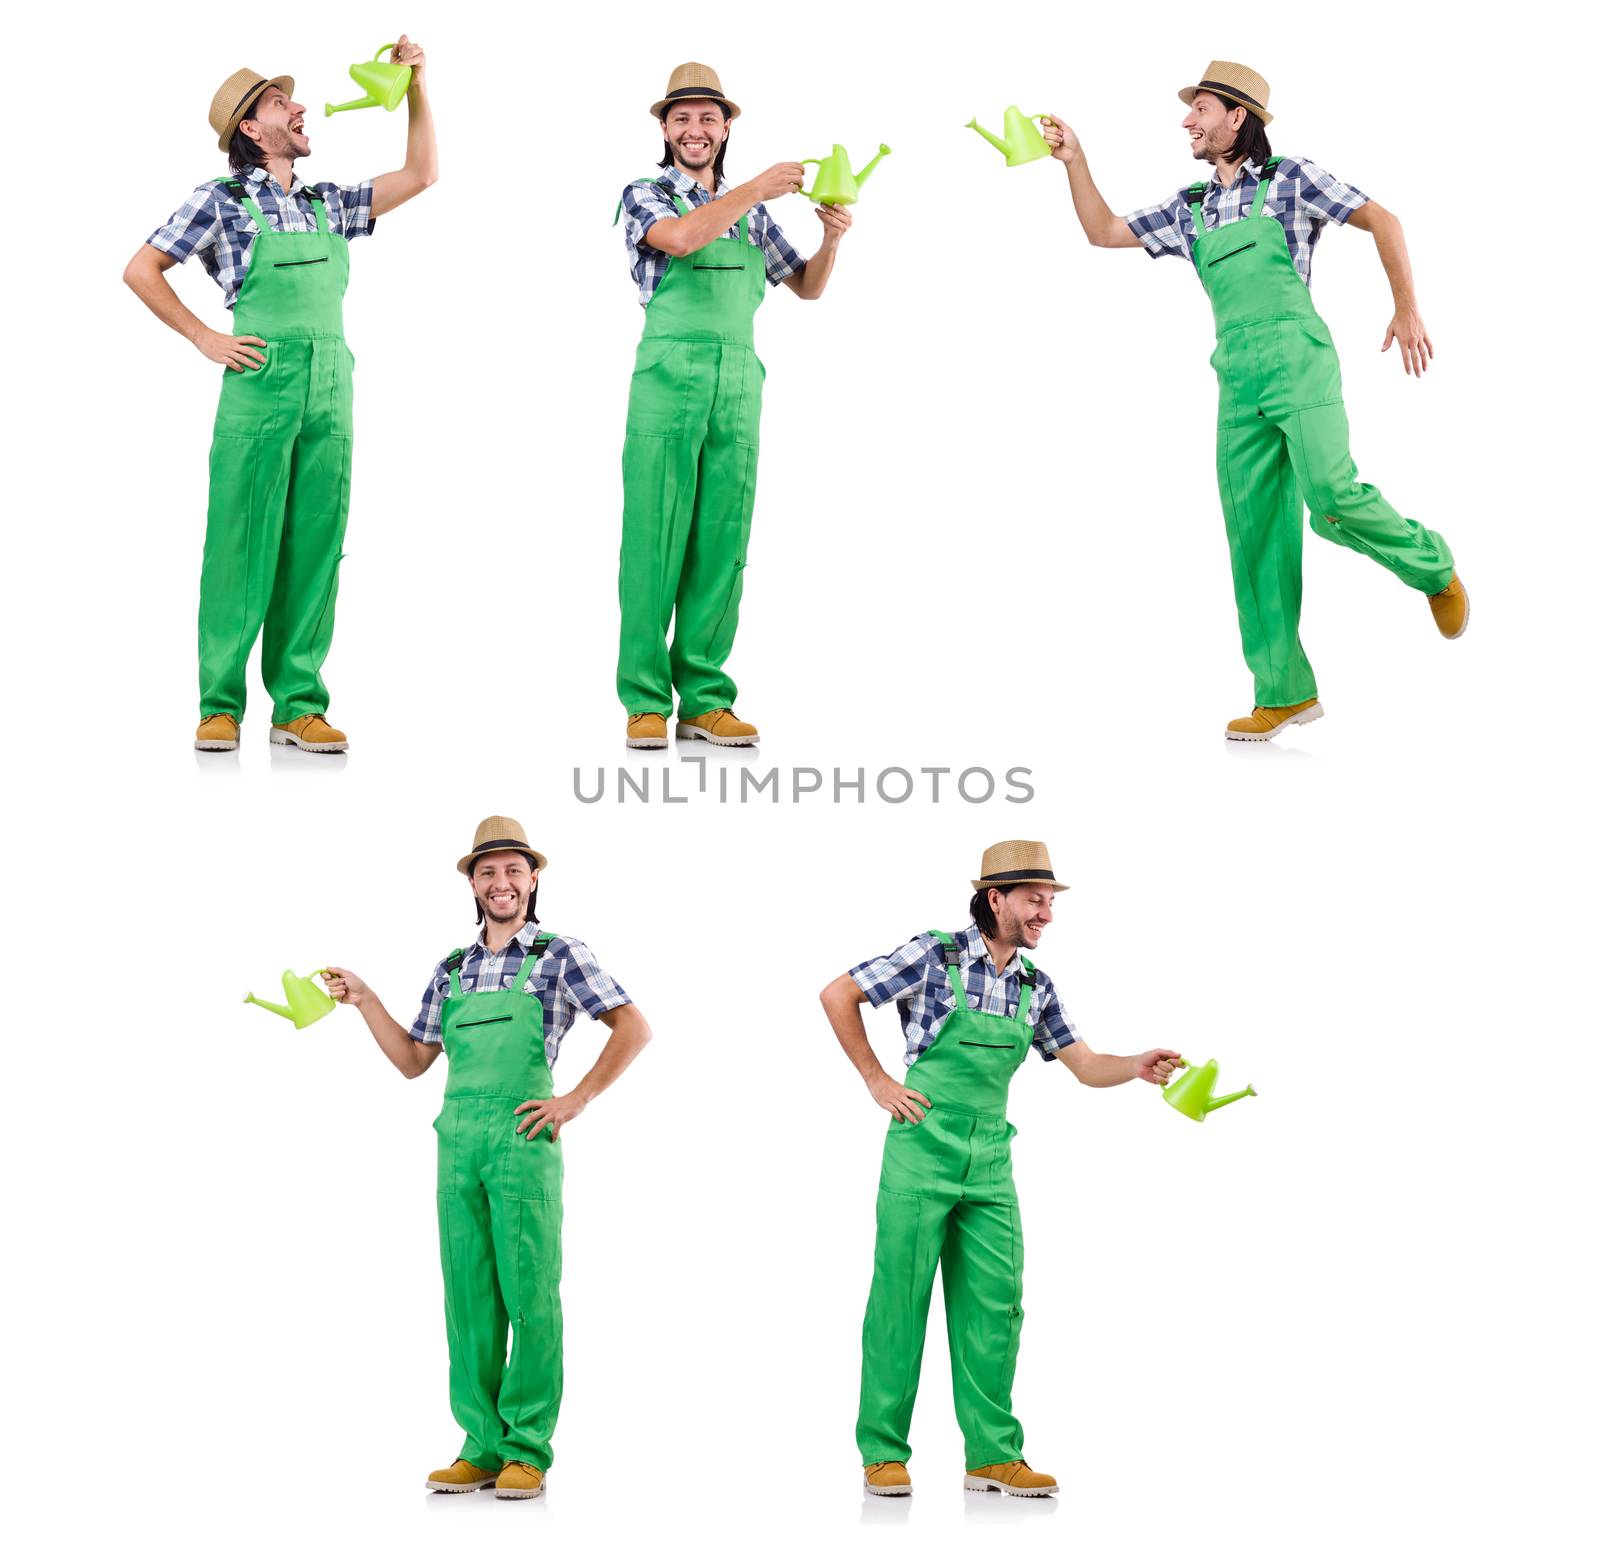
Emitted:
<point x="533" y="898"/>
<point x="1250" y="145"/>
<point x="983" y="913"/>
<point x="242" y="151"/>
<point x="722" y="151"/>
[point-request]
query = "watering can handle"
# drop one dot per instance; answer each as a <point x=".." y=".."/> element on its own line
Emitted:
<point x="379" y="54"/>
<point x="816" y="162"/>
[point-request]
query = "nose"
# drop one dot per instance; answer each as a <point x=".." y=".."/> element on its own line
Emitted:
<point x="297" y="108"/>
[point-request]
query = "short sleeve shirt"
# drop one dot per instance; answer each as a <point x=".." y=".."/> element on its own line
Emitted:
<point x="567" y="980"/>
<point x="646" y="201"/>
<point x="913" y="977"/>
<point x="212" y="225"/>
<point x="1301" y="196"/>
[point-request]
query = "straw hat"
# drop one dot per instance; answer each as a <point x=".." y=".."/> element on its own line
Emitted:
<point x="499" y="834"/>
<point x="235" y="95"/>
<point x="1013" y="862"/>
<point x="694" y="81"/>
<point x="1237" y="83"/>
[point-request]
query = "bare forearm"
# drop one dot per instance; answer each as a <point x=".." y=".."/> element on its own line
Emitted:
<point x="1096" y="1069"/>
<point x="422" y="156"/>
<point x="629" y="1035"/>
<point x="844" y="1015"/>
<point x="811" y="281"/>
<point x="683" y="235"/>
<point x="1388" y="235"/>
<point x="394" y="1040"/>
<point x="150" y="286"/>
<point x="1102" y="226"/>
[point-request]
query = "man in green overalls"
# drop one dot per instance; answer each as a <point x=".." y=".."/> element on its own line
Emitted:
<point x="498" y="1010"/>
<point x="280" y="450"/>
<point x="970" y="1005"/>
<point x="1283" y="442"/>
<point x="701" y="251"/>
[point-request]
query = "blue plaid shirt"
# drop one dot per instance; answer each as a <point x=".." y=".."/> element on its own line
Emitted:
<point x="646" y="201"/>
<point x="566" y="979"/>
<point x="213" y="225"/>
<point x="914" y="978"/>
<point x="1302" y="197"/>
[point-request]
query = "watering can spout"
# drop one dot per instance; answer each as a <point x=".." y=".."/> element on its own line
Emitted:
<point x="883" y="151"/>
<point x="993" y="140"/>
<point x="272" y="1008"/>
<point x="1228" y="1100"/>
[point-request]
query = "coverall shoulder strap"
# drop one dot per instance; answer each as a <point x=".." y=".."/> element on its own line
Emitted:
<point x="236" y="189"/>
<point x="452" y="965"/>
<point x="1030" y="982"/>
<point x="320" y="205"/>
<point x="1268" y="168"/>
<point x="536" y="952"/>
<point x="952" y="965"/>
<point x="648" y="178"/>
<point x="1197" y="195"/>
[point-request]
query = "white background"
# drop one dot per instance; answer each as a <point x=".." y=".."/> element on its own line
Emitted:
<point x="1351" y="1314"/>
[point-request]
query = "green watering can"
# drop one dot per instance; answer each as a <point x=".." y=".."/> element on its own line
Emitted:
<point x="835" y="185"/>
<point x="1191" y="1092"/>
<point x="304" y="1001"/>
<point x="384" y="83"/>
<point x="1023" y="142"/>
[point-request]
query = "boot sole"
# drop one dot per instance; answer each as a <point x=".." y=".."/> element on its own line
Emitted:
<point x="217" y="747"/>
<point x="647" y="742"/>
<point x="458" y="1490"/>
<point x="289" y="740"/>
<point x="687" y="732"/>
<point x="886" y="1490"/>
<point x="509" y="1495"/>
<point x="1303" y="718"/>
<point x="972" y="1484"/>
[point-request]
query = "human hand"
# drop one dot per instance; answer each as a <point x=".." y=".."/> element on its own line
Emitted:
<point x="1415" y="349"/>
<point x="408" y="53"/>
<point x="779" y="179"/>
<point x="1062" y="139"/>
<point x="901" y="1103"/>
<point x="553" y="1113"/>
<point x="1158" y="1066"/>
<point x="835" y="222"/>
<point x="345" y="986"/>
<point x="232" y="352"/>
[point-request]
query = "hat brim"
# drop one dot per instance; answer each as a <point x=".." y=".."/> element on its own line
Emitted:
<point x="286" y="83"/>
<point x="1186" y="97"/>
<point x="1015" y="883"/>
<point x="464" y="866"/>
<point x="696" y="97"/>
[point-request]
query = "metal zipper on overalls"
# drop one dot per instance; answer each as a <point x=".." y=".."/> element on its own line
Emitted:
<point x="1231" y="253"/>
<point x="467" y="1024"/>
<point x="718" y="268"/>
<point x="321" y="260"/>
<point x="990" y="1046"/>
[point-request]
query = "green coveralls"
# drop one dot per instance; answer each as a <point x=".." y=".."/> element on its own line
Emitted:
<point x="1283" y="444"/>
<point x="280" y="476"/>
<point x="946" y="1198"/>
<point x="499" y="1223"/>
<point x="689" y="477"/>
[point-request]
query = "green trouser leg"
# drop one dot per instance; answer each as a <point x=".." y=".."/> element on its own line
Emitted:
<point x="982" y="1266"/>
<point x="280" y="496"/>
<point x="1266" y="525"/>
<point x="500" y="1247"/>
<point x="946" y="1200"/>
<point x="1353" y="513"/>
<point x="689" y="473"/>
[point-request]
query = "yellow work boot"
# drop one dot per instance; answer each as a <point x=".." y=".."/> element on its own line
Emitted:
<point x="647" y="731"/>
<point x="312" y="733"/>
<point x="460" y="1476"/>
<point x="518" y="1481"/>
<point x="1451" y="609"/>
<point x="217" y="734"/>
<point x="722" y="727"/>
<point x="1011" y="1479"/>
<point x="1268" y="720"/>
<point x="886" y="1479"/>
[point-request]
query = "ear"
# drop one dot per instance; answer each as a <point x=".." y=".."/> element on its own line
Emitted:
<point x="252" y="129"/>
